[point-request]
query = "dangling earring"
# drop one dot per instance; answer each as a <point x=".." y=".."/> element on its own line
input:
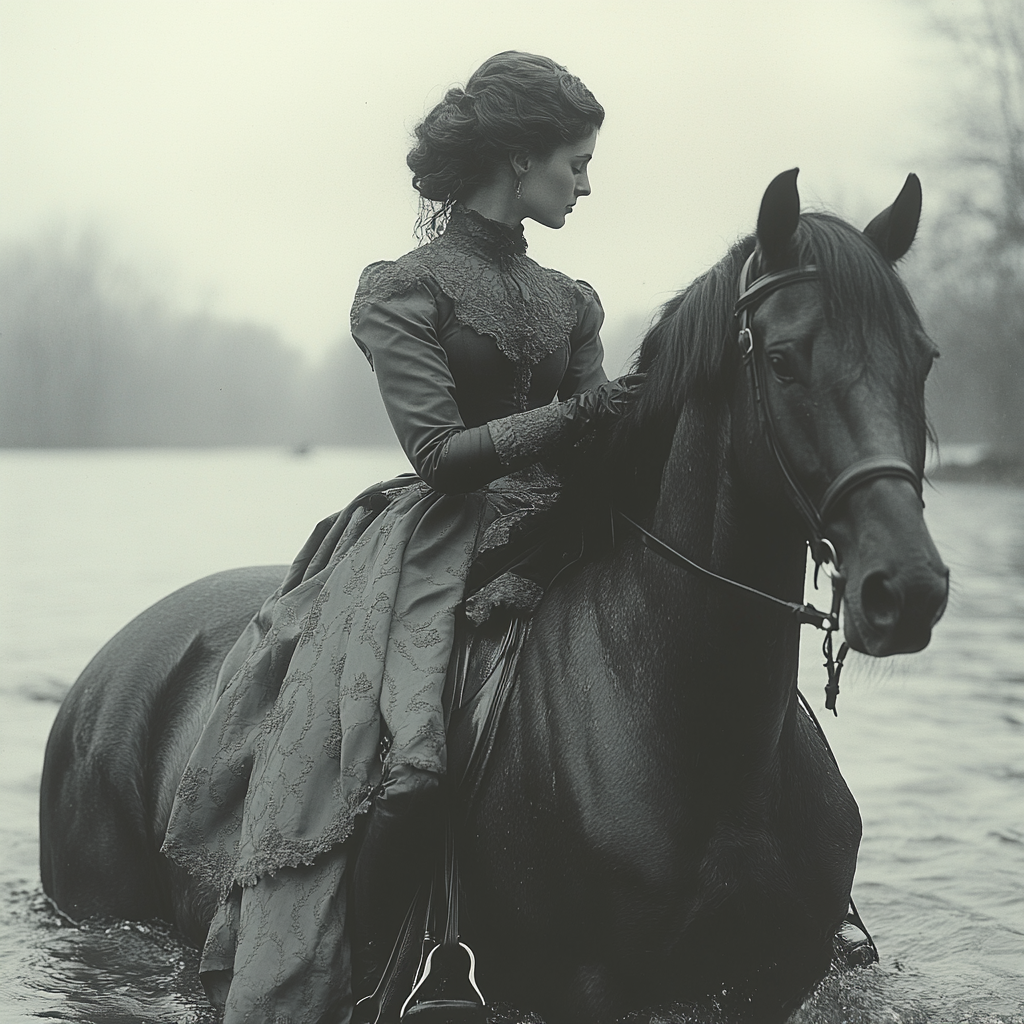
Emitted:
<point x="519" y="188"/>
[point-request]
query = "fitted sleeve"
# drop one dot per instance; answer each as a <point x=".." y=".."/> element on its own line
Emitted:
<point x="398" y="334"/>
<point x="395" y="323"/>
<point x="586" y="353"/>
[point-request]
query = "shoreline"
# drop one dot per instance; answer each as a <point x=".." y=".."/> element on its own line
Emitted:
<point x="991" y="469"/>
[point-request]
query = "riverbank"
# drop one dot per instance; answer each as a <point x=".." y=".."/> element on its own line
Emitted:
<point x="989" y="469"/>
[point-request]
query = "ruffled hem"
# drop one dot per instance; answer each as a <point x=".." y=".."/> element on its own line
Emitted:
<point x="222" y="873"/>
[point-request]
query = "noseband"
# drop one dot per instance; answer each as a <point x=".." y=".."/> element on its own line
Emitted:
<point x="814" y="515"/>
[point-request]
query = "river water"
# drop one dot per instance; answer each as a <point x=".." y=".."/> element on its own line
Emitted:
<point x="931" y="744"/>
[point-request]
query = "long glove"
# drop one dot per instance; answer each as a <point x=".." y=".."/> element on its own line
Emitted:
<point x="474" y="456"/>
<point x="524" y="437"/>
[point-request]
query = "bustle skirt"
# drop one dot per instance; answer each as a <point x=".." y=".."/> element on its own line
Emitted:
<point x="359" y="634"/>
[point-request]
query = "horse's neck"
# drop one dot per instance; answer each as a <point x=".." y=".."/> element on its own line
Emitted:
<point x="727" y="661"/>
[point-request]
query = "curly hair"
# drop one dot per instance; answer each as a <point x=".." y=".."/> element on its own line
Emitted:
<point x="513" y="102"/>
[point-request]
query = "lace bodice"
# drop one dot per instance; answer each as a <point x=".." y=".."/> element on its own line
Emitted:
<point x="467" y="331"/>
<point x="482" y="282"/>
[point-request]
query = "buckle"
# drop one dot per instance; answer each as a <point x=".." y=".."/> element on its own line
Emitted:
<point x="746" y="342"/>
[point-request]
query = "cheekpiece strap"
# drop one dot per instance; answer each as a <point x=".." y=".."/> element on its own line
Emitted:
<point x="813" y="514"/>
<point x="751" y="296"/>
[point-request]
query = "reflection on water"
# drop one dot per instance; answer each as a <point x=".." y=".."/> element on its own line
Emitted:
<point x="114" y="973"/>
<point x="931" y="744"/>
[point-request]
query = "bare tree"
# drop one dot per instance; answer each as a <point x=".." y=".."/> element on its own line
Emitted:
<point x="976" y="302"/>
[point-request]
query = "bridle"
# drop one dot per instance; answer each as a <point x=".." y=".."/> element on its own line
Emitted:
<point x="814" y="514"/>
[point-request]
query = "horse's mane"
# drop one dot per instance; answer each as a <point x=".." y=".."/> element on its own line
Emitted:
<point x="690" y="354"/>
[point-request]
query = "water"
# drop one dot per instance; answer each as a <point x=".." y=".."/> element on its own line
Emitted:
<point x="932" y="745"/>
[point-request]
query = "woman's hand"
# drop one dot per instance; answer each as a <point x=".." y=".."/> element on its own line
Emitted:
<point x="607" y="401"/>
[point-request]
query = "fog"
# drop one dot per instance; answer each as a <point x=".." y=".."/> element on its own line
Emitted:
<point x="191" y="189"/>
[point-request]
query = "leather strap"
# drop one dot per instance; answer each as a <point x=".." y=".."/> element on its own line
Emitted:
<point x="859" y="473"/>
<point x="765" y="285"/>
<point x="813" y="514"/>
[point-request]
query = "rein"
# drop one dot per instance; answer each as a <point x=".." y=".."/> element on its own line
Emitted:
<point x="814" y="514"/>
<point x="806" y="614"/>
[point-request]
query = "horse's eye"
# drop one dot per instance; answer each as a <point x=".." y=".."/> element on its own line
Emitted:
<point x="780" y="366"/>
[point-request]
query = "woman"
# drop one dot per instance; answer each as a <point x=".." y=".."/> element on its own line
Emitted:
<point x="471" y="341"/>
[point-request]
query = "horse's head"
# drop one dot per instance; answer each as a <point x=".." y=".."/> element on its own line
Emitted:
<point x="832" y="412"/>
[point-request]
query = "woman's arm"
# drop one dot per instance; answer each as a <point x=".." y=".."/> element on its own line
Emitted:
<point x="586" y="353"/>
<point x="399" y="336"/>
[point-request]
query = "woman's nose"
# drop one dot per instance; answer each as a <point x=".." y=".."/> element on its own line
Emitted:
<point x="583" y="185"/>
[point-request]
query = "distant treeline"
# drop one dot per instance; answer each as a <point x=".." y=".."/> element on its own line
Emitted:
<point x="971" y="290"/>
<point x="86" y="360"/>
<point x="976" y="388"/>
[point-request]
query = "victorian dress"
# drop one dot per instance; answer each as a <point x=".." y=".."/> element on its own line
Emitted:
<point x="471" y="342"/>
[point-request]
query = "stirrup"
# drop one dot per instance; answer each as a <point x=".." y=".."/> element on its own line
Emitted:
<point x="446" y="992"/>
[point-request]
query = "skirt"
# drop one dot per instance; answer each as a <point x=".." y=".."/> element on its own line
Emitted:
<point x="356" y="639"/>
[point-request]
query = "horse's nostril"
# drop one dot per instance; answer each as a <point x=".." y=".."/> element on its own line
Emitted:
<point x="881" y="601"/>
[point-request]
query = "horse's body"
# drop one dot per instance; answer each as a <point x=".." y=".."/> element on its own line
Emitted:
<point x="660" y="823"/>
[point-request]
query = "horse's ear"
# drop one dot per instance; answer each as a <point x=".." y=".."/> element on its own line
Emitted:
<point x="894" y="228"/>
<point x="779" y="216"/>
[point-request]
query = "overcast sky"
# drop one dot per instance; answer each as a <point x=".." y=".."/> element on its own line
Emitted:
<point x="249" y="157"/>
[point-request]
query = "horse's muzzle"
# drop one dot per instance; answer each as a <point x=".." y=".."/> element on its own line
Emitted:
<point x="897" y="585"/>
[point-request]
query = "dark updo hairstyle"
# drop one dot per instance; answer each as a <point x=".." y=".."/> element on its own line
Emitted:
<point x="514" y="102"/>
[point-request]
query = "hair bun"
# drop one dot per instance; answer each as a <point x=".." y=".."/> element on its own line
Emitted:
<point x="513" y="101"/>
<point x="458" y="97"/>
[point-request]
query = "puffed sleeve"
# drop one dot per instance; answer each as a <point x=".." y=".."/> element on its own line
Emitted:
<point x="586" y="353"/>
<point x="394" y="322"/>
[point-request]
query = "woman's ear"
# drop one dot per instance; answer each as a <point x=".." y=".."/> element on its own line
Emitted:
<point x="520" y="161"/>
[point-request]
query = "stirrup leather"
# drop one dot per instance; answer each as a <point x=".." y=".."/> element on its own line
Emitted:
<point x="446" y="991"/>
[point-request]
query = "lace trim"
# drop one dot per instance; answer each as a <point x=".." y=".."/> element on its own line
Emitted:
<point x="510" y="592"/>
<point x="481" y="265"/>
<point x="526" y="435"/>
<point x="536" y="484"/>
<point x="490" y="237"/>
<point x="499" y="533"/>
<point x="222" y="871"/>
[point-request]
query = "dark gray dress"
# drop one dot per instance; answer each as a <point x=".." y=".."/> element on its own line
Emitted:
<point x="470" y="341"/>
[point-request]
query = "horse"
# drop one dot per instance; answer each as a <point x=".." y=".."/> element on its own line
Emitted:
<point x="660" y="823"/>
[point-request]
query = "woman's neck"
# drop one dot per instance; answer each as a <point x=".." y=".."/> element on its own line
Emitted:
<point x="496" y="201"/>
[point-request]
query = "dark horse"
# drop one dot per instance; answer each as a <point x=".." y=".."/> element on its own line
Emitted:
<point x="660" y="823"/>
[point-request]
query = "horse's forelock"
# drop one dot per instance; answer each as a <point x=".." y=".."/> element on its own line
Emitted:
<point x="868" y="306"/>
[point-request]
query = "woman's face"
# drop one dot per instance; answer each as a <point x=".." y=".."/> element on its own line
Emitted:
<point x="552" y="184"/>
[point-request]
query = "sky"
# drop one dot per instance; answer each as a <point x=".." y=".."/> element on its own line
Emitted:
<point x="247" y="158"/>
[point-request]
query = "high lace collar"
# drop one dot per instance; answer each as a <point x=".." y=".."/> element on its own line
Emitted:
<point x="490" y="238"/>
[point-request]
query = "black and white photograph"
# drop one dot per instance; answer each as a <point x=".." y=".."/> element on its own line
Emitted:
<point x="512" y="513"/>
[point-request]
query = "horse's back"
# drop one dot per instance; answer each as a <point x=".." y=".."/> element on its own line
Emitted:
<point x="120" y="742"/>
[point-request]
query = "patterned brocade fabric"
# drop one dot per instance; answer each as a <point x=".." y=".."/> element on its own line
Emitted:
<point x="498" y="291"/>
<point x="359" y="634"/>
